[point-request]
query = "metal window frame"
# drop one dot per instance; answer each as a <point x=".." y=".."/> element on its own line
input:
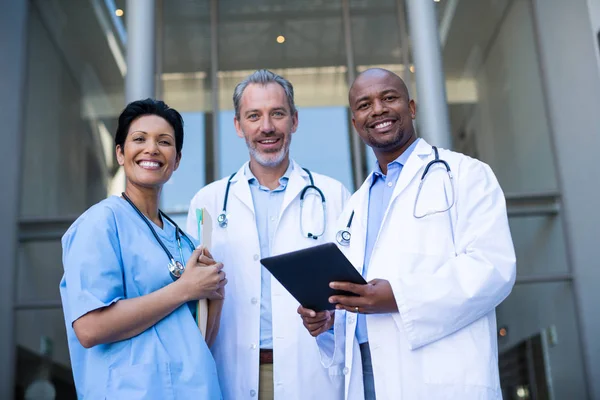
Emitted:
<point x="14" y="24"/>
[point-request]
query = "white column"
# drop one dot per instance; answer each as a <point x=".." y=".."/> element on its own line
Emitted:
<point x="432" y="110"/>
<point x="141" y="49"/>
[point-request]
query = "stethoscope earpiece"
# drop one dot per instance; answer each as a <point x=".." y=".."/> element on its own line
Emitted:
<point x="311" y="236"/>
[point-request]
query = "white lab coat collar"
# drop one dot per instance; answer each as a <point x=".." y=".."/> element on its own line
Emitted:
<point x="297" y="181"/>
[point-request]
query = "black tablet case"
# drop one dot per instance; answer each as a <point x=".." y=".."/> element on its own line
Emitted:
<point x="306" y="274"/>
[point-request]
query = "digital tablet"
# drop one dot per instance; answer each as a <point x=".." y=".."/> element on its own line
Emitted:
<point x="306" y="274"/>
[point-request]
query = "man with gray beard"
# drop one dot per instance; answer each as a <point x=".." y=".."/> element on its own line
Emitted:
<point x="262" y="349"/>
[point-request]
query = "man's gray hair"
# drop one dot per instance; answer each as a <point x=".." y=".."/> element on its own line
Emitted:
<point x="263" y="77"/>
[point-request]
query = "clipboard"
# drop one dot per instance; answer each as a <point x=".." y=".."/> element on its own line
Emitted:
<point x="204" y="236"/>
<point x="306" y="274"/>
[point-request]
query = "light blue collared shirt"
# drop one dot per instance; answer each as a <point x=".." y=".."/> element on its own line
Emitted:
<point x="380" y="193"/>
<point x="267" y="208"/>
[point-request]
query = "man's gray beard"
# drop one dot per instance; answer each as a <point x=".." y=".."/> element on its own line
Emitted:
<point x="269" y="160"/>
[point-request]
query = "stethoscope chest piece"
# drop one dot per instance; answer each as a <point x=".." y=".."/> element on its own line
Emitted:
<point x="176" y="269"/>
<point x="343" y="237"/>
<point x="222" y="220"/>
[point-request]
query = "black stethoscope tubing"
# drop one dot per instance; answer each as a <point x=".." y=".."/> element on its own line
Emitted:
<point x="175" y="267"/>
<point x="222" y="218"/>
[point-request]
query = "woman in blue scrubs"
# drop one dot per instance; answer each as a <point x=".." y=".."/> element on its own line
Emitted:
<point x="130" y="323"/>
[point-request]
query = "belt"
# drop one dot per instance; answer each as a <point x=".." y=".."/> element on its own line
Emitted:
<point x="266" y="356"/>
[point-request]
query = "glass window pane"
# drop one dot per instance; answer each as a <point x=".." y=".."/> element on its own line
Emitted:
<point x="186" y="87"/>
<point x="322" y="142"/>
<point x="248" y="33"/>
<point x="311" y="55"/>
<point x="377" y="42"/>
<point x="186" y="55"/>
<point x="540" y="245"/>
<point x="190" y="176"/>
<point x="375" y="33"/>
<point x="39" y="272"/>
<point x="74" y="93"/>
<point x="42" y="351"/>
<point x="233" y="150"/>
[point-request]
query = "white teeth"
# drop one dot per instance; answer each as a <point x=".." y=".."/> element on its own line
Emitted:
<point x="270" y="141"/>
<point x="149" y="164"/>
<point x="383" y="125"/>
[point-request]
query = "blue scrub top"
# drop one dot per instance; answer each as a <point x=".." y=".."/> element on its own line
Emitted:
<point x="110" y="254"/>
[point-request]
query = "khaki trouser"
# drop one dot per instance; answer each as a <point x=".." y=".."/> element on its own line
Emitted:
<point x="265" y="382"/>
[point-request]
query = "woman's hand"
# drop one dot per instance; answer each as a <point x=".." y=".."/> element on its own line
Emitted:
<point x="203" y="277"/>
<point x="215" y="307"/>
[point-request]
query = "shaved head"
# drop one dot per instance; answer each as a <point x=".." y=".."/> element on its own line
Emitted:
<point x="379" y="74"/>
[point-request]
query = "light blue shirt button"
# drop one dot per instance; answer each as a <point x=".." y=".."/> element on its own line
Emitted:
<point x="254" y="300"/>
<point x="253" y="393"/>
<point x="267" y="206"/>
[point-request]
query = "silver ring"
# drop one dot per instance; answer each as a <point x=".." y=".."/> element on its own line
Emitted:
<point x="356" y="310"/>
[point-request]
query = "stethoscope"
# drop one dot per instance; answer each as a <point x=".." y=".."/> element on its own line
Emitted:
<point x="343" y="236"/>
<point x="175" y="267"/>
<point x="223" y="219"/>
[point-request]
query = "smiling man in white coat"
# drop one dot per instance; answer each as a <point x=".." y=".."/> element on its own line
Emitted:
<point x="433" y="242"/>
<point x="262" y="349"/>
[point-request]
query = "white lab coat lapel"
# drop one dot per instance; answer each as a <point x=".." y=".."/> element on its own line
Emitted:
<point x="359" y="226"/>
<point x="241" y="189"/>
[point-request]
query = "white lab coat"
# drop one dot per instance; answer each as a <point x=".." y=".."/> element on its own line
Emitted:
<point x="448" y="272"/>
<point x="298" y="373"/>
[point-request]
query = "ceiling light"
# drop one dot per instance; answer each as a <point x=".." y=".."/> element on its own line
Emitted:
<point x="412" y="69"/>
<point x="280" y="39"/>
<point x="119" y="12"/>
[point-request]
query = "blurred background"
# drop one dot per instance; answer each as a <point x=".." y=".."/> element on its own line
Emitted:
<point x="522" y="88"/>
